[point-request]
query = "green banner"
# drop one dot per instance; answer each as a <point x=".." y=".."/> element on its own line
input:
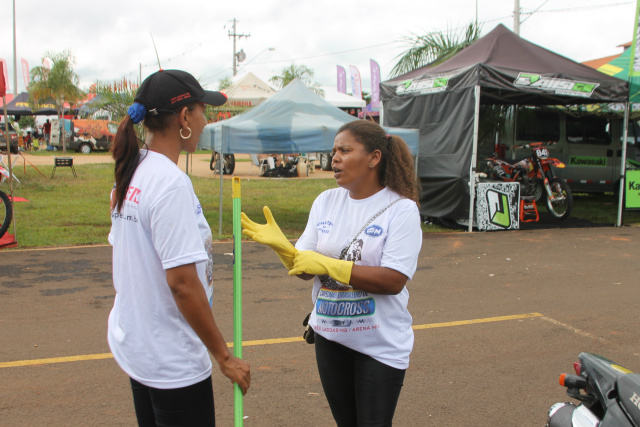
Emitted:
<point x="634" y="63"/>
<point x="632" y="190"/>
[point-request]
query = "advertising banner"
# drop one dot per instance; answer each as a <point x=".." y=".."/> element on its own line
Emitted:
<point x="5" y="79"/>
<point x="375" y="85"/>
<point x="634" y="63"/>
<point x="25" y="72"/>
<point x="342" y="79"/>
<point x="632" y="190"/>
<point x="3" y="85"/>
<point x="356" y="81"/>
<point x="497" y="206"/>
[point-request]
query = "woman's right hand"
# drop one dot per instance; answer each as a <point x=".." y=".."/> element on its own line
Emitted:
<point x="238" y="371"/>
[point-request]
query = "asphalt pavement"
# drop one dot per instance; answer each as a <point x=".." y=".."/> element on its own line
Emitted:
<point x="497" y="317"/>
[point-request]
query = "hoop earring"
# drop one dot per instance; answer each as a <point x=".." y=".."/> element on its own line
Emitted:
<point x="370" y="165"/>
<point x="185" y="137"/>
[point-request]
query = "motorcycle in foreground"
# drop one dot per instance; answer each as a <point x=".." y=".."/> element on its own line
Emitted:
<point x="537" y="178"/>
<point x="6" y="211"/>
<point x="611" y="395"/>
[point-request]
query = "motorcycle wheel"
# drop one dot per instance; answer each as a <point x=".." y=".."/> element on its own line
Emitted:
<point x="5" y="213"/>
<point x="228" y="165"/>
<point x="561" y="204"/>
<point x="538" y="190"/>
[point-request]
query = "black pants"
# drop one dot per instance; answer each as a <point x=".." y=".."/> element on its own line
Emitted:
<point x="190" y="406"/>
<point x="361" y="391"/>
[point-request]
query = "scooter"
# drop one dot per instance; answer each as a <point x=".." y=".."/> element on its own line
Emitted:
<point x="609" y="395"/>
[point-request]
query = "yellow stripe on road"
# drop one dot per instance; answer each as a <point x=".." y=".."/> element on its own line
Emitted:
<point x="99" y="356"/>
<point x="476" y="321"/>
<point x="56" y="360"/>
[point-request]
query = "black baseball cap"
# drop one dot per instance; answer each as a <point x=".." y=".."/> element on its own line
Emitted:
<point x="166" y="90"/>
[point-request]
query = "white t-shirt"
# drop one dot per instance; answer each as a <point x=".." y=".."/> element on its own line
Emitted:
<point x="376" y="325"/>
<point x="160" y="226"/>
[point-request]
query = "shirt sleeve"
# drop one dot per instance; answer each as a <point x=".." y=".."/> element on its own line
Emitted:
<point x="174" y="228"/>
<point x="402" y="247"/>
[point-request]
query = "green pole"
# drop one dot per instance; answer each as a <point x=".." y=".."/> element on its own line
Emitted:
<point x="237" y="294"/>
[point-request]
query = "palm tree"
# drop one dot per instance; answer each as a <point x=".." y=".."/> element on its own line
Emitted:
<point x="58" y="84"/>
<point x="433" y="48"/>
<point x="302" y="72"/>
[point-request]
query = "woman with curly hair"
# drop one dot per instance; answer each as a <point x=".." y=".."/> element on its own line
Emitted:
<point x="360" y="246"/>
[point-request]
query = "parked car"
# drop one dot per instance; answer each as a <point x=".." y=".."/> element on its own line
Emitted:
<point x="84" y="135"/>
<point x="13" y="137"/>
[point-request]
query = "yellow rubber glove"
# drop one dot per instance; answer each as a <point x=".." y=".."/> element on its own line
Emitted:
<point x="311" y="262"/>
<point x="269" y="234"/>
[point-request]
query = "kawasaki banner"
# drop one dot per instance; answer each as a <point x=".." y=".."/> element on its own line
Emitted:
<point x="634" y="63"/>
<point x="632" y="190"/>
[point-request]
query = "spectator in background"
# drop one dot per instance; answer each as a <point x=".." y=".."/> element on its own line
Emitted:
<point x="46" y="131"/>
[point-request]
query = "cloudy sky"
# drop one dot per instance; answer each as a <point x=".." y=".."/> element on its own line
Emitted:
<point x="111" y="40"/>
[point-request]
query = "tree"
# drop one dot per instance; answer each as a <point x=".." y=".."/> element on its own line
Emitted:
<point x="57" y="84"/>
<point x="302" y="72"/>
<point x="433" y="48"/>
<point x="115" y="97"/>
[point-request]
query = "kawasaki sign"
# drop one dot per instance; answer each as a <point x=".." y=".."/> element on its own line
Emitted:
<point x="557" y="86"/>
<point x="423" y="86"/>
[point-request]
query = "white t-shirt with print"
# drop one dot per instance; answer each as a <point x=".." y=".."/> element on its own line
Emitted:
<point x="376" y="325"/>
<point x="160" y="226"/>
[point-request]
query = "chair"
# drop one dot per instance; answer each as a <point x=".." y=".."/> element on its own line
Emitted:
<point x="262" y="165"/>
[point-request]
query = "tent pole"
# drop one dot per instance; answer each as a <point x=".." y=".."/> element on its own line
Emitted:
<point x="623" y="164"/>
<point x="220" y="171"/>
<point x="474" y="156"/>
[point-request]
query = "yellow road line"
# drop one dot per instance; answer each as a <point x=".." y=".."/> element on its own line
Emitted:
<point x="476" y="321"/>
<point x="99" y="356"/>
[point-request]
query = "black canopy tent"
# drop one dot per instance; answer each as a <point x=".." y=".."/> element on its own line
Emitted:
<point x="443" y="102"/>
<point x="19" y="106"/>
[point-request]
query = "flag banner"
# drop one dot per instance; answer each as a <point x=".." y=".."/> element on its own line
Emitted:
<point x="25" y="72"/>
<point x="47" y="63"/>
<point x="634" y="63"/>
<point x="356" y="82"/>
<point x="375" y="85"/>
<point x="4" y="78"/>
<point x="342" y="79"/>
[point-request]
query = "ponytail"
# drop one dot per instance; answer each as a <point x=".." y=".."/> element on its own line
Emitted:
<point x="398" y="172"/>
<point x="125" y="152"/>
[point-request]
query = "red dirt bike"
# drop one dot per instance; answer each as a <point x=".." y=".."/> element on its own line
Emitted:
<point x="536" y="177"/>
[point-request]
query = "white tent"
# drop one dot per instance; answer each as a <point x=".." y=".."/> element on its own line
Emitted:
<point x="248" y="91"/>
<point x="342" y="100"/>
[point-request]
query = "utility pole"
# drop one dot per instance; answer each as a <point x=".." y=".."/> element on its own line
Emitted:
<point x="237" y="56"/>
<point x="15" y="59"/>
<point x="516" y="17"/>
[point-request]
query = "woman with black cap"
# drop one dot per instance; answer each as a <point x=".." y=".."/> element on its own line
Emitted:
<point x="161" y="324"/>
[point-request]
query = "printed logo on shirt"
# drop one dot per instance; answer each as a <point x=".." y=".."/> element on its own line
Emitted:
<point x="374" y="231"/>
<point x="346" y="308"/>
<point x="198" y="209"/>
<point x="132" y="194"/>
<point x="324" y="226"/>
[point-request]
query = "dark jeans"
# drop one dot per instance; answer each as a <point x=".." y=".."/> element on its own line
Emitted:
<point x="190" y="406"/>
<point x="361" y="391"/>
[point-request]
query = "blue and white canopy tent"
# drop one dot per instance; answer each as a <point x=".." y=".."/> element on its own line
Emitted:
<point x="294" y="120"/>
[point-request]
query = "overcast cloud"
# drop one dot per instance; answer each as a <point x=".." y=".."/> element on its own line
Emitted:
<point x="111" y="40"/>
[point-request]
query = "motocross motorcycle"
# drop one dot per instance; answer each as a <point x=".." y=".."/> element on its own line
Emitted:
<point x="6" y="211"/>
<point x="536" y="177"/>
<point x="609" y="395"/>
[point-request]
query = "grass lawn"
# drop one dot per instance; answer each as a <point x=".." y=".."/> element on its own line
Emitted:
<point x="69" y="211"/>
